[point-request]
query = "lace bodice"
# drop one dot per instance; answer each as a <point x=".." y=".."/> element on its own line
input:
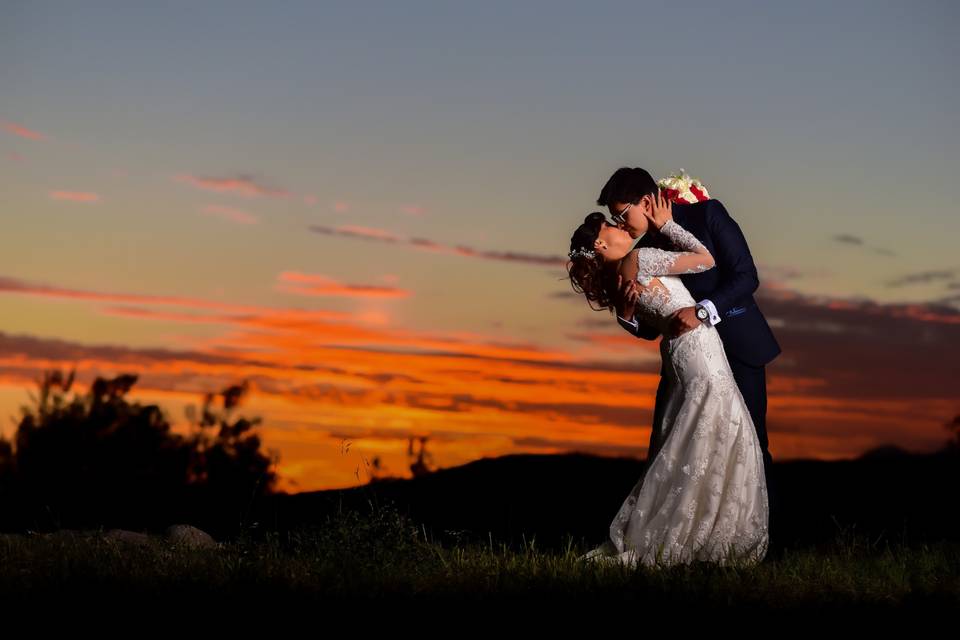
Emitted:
<point x="659" y="270"/>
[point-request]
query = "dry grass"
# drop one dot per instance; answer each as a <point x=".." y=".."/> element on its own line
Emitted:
<point x="385" y="555"/>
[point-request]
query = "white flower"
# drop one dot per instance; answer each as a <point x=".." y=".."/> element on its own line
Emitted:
<point x="681" y="183"/>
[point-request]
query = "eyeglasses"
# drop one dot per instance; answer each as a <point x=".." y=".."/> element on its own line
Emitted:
<point x="618" y="217"/>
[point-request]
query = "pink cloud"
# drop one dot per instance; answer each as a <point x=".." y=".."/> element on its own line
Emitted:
<point x="75" y="196"/>
<point x="369" y="232"/>
<point x="424" y="244"/>
<point x="242" y="185"/>
<point x="413" y="210"/>
<point x="228" y="213"/>
<point x="23" y="132"/>
<point x="14" y="285"/>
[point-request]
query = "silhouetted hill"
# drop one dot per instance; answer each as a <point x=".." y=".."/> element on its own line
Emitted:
<point x="889" y="493"/>
<point x="884" y="452"/>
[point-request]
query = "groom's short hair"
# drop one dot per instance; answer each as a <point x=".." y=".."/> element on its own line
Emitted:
<point x="627" y="185"/>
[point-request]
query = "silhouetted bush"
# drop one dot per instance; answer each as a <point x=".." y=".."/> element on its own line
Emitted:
<point x="953" y="445"/>
<point x="99" y="460"/>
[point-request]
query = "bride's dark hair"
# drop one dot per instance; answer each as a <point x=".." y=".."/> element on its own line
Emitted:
<point x="594" y="277"/>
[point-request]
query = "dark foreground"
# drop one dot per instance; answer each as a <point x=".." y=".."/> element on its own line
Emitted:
<point x="384" y="556"/>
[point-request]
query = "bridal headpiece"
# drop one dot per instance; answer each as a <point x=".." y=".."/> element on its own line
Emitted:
<point x="586" y="253"/>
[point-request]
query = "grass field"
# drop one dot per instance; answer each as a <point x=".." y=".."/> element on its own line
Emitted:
<point x="384" y="555"/>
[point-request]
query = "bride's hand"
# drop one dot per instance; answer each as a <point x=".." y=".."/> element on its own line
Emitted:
<point x="662" y="210"/>
<point x="628" y="296"/>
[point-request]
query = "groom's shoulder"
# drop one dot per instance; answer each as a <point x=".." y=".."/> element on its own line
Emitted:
<point x="708" y="206"/>
<point x="693" y="212"/>
<point x="711" y="210"/>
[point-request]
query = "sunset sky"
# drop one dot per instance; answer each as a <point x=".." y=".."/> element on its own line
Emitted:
<point x="365" y="208"/>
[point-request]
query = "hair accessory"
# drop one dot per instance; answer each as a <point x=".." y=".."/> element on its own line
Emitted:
<point x="581" y="252"/>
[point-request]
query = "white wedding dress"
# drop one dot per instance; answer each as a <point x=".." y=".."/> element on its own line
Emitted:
<point x="703" y="493"/>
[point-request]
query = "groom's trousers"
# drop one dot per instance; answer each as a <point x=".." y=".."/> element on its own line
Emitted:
<point x="752" y="382"/>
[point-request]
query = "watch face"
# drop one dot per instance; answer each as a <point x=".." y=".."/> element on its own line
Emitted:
<point x="702" y="313"/>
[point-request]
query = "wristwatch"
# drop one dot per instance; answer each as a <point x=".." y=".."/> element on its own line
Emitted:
<point x="702" y="313"/>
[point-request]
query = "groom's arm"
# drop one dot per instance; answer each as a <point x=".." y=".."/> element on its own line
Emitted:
<point x="737" y="271"/>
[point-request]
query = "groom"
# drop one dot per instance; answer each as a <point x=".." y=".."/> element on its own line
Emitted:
<point x="725" y="296"/>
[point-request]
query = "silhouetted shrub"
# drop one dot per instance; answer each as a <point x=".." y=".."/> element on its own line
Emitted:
<point x="98" y="460"/>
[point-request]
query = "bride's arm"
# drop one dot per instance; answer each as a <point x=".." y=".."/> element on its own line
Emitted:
<point x="694" y="259"/>
<point x="628" y="270"/>
<point x="639" y="329"/>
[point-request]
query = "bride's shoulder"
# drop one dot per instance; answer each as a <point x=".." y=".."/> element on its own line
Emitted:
<point x="640" y="252"/>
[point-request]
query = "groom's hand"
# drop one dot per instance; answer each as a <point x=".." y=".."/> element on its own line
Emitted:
<point x="683" y="320"/>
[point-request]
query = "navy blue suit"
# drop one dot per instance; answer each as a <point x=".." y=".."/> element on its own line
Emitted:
<point x="747" y="338"/>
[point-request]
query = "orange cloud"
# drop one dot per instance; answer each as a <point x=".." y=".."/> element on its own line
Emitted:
<point x="317" y="285"/>
<point x="843" y="383"/>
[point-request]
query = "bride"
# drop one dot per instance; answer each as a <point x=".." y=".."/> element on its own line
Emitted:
<point x="703" y="494"/>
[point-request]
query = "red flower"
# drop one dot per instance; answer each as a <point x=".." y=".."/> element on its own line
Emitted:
<point x="673" y="195"/>
<point x="695" y="191"/>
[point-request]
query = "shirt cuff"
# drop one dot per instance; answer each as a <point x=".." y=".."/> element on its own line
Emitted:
<point x="712" y="310"/>
<point x="632" y="323"/>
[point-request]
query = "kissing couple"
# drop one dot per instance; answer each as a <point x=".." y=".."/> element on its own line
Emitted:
<point x="673" y="264"/>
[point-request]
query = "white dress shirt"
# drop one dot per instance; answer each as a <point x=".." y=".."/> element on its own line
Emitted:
<point x="711" y="321"/>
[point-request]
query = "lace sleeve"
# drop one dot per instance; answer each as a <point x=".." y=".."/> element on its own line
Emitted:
<point x="655" y="262"/>
<point x="681" y="238"/>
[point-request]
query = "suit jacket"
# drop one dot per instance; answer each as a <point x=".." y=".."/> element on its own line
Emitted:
<point x="729" y="285"/>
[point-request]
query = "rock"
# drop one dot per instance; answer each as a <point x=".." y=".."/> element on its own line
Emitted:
<point x="189" y="536"/>
<point x="124" y="536"/>
<point x="183" y="535"/>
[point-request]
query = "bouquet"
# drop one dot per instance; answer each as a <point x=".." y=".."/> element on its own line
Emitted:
<point x="680" y="187"/>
